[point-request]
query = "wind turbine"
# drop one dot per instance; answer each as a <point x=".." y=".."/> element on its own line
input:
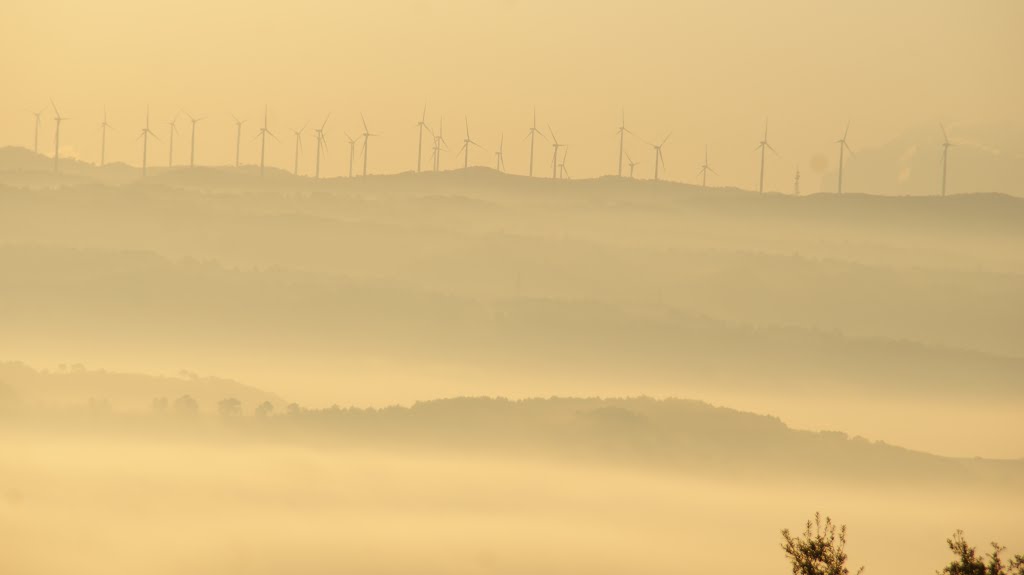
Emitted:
<point x="103" y="139"/>
<point x="192" y="154"/>
<point x="439" y="141"/>
<point x="554" y="158"/>
<point x="56" y="138"/>
<point x="843" y="147"/>
<point x="39" y="121"/>
<point x="946" y="145"/>
<point x="144" y="136"/>
<point x="762" y="146"/>
<point x="238" y="139"/>
<point x="298" y="146"/>
<point x="632" y="165"/>
<point x="563" y="173"/>
<point x="263" y="133"/>
<point x="174" y="129"/>
<point x="622" y="140"/>
<point x="351" y="152"/>
<point x="659" y="159"/>
<point x="532" y="134"/>
<point x="466" y="144"/>
<point x="321" y="142"/>
<point x="419" y="149"/>
<point x="705" y="168"/>
<point x="500" y="155"/>
<point x="366" y="144"/>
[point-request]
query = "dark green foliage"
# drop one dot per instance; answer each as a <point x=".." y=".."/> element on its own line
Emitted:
<point x="968" y="562"/>
<point x="821" y="550"/>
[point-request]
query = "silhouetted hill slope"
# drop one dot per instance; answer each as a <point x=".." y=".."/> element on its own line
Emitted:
<point x="685" y="435"/>
<point x="76" y="386"/>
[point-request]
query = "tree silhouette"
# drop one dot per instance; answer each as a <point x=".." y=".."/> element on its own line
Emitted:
<point x="820" y="551"/>
<point x="160" y="404"/>
<point x="186" y="405"/>
<point x="968" y="562"/>
<point x="229" y="407"/>
<point x="264" y="409"/>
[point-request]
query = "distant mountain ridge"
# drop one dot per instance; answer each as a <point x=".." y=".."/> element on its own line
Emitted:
<point x="76" y="386"/>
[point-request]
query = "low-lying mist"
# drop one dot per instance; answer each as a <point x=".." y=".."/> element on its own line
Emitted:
<point x="469" y="486"/>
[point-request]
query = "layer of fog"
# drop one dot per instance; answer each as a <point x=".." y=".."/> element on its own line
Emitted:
<point x="885" y="317"/>
<point x="211" y="501"/>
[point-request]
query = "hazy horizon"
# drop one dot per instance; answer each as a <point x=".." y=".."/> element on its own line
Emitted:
<point x="228" y="371"/>
<point x="709" y="73"/>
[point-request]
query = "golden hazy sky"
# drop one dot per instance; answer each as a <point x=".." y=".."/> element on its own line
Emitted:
<point x="709" y="72"/>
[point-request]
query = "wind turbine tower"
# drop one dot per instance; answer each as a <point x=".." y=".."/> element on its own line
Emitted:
<point x="466" y="144"/>
<point x="321" y="143"/>
<point x="705" y="168"/>
<point x="144" y="136"/>
<point x="762" y="146"/>
<point x="419" y="148"/>
<point x="439" y="144"/>
<point x="500" y="155"/>
<point x="946" y="145"/>
<point x="103" y="138"/>
<point x="263" y="133"/>
<point x="532" y="135"/>
<point x="174" y="129"/>
<point x="366" y="145"/>
<point x="351" y="152"/>
<point x="622" y="140"/>
<point x="659" y="159"/>
<point x="298" y="147"/>
<point x="56" y="138"/>
<point x="192" y="153"/>
<point x="238" y="139"/>
<point x="554" y="157"/>
<point x="632" y="165"/>
<point x="39" y="122"/>
<point x="843" y="147"/>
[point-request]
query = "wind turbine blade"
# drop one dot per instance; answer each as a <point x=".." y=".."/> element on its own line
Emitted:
<point x="712" y="170"/>
<point x="55" y="111"/>
<point x="848" y="149"/>
<point x="772" y="149"/>
<point x="325" y="120"/>
<point x="365" y="127"/>
<point x="847" y="130"/>
<point x="666" y="138"/>
<point x="945" y="136"/>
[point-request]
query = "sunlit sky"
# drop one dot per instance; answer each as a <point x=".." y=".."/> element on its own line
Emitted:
<point x="708" y="72"/>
